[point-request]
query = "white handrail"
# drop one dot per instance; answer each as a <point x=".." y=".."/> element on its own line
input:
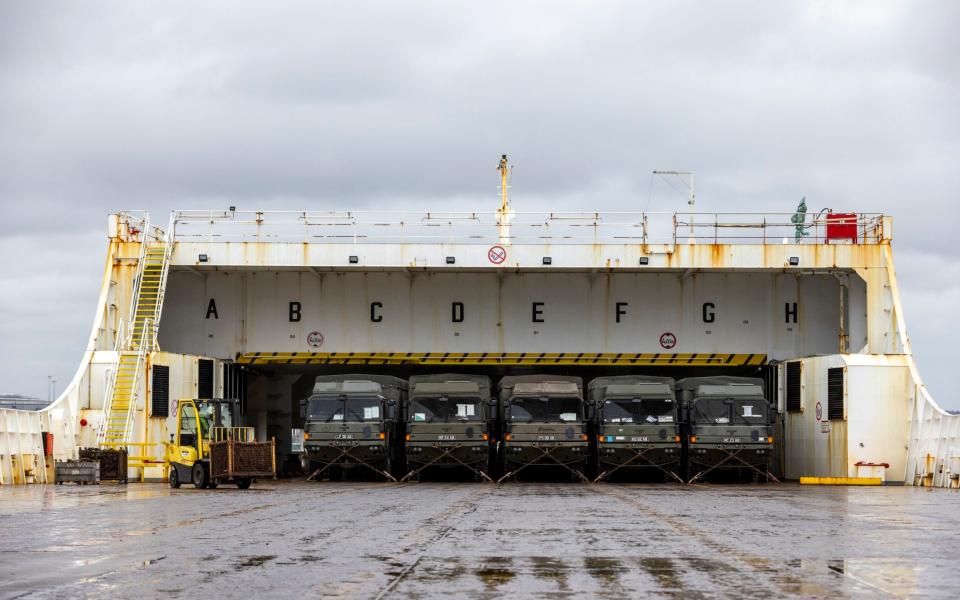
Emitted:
<point x="471" y="227"/>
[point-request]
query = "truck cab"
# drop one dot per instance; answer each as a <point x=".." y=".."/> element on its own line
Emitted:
<point x="449" y="422"/>
<point x="350" y="422"/>
<point x="638" y="425"/>
<point x="730" y="425"/>
<point x="545" y="424"/>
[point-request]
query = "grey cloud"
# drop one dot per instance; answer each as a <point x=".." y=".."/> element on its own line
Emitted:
<point x="368" y="105"/>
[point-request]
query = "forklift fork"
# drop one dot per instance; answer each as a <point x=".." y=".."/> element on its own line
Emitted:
<point x="346" y="451"/>
<point x="545" y="453"/>
<point x="638" y="454"/>
<point x="447" y="451"/>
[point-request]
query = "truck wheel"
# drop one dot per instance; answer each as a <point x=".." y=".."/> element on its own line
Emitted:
<point x="244" y="483"/>
<point x="200" y="479"/>
<point x="174" y="478"/>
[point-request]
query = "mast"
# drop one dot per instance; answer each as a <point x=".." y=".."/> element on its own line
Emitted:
<point x="504" y="213"/>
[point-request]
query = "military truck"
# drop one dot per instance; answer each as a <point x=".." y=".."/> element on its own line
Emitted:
<point x="352" y="422"/>
<point x="730" y="426"/>
<point x="449" y="422"/>
<point x="638" y="425"/>
<point x="544" y="424"/>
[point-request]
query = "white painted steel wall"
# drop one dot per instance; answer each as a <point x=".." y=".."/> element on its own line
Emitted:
<point x="21" y="447"/>
<point x="579" y="312"/>
<point x="878" y="395"/>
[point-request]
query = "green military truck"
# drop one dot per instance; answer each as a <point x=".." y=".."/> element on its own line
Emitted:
<point x="730" y="426"/>
<point x="544" y="423"/>
<point x="353" y="422"/>
<point x="638" y="425"/>
<point x="449" y="422"/>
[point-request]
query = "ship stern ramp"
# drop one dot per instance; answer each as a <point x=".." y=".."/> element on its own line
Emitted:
<point x="258" y="304"/>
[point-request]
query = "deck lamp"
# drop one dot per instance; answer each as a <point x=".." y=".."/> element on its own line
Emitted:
<point x="451" y="260"/>
<point x="354" y="259"/>
<point x="547" y="260"/>
<point x="644" y="260"/>
<point x="203" y="258"/>
<point x="794" y="261"/>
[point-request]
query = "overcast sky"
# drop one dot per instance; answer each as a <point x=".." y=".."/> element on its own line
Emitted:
<point x="389" y="105"/>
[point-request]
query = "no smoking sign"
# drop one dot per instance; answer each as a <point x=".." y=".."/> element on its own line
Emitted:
<point x="497" y="254"/>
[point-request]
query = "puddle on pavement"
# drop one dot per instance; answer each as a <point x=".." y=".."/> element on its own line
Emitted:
<point x="605" y="570"/>
<point x="495" y="572"/>
<point x="663" y="571"/>
<point x="546" y="567"/>
<point x="253" y="561"/>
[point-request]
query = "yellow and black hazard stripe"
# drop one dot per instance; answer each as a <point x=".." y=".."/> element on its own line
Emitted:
<point x="501" y="358"/>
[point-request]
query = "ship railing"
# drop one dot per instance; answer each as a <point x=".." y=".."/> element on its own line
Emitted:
<point x="778" y="228"/>
<point x="408" y="227"/>
<point x="135" y="226"/>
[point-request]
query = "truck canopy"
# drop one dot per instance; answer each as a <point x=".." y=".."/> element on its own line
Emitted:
<point x="726" y="386"/>
<point x="634" y="386"/>
<point x="540" y="385"/>
<point x="384" y="385"/>
<point x="450" y="383"/>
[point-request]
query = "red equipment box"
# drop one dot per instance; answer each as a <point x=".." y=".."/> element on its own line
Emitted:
<point x="841" y="226"/>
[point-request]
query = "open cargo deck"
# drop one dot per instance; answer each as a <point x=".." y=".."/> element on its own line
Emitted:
<point x="437" y="540"/>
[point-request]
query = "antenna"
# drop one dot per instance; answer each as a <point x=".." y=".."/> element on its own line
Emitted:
<point x="686" y="177"/>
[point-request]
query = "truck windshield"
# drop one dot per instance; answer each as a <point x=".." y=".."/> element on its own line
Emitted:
<point x="730" y="411"/>
<point x="344" y="408"/>
<point x="637" y="410"/>
<point x="545" y="408"/>
<point x="428" y="409"/>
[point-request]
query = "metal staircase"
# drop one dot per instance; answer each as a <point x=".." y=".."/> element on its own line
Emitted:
<point x="136" y="337"/>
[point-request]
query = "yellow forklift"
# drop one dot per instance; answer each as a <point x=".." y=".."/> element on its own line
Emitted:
<point x="207" y="449"/>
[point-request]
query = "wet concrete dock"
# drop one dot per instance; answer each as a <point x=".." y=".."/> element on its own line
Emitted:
<point x="431" y="540"/>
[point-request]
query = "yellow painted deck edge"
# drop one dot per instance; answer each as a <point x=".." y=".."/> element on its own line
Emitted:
<point x="841" y="481"/>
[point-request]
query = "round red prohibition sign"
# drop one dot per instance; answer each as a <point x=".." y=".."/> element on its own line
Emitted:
<point x="819" y="411"/>
<point x="497" y="254"/>
<point x="314" y="339"/>
<point x="668" y="340"/>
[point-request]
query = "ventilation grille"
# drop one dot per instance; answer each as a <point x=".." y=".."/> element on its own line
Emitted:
<point x="794" y="370"/>
<point x="160" y="391"/>
<point x="234" y="385"/>
<point x="835" y="394"/>
<point x="204" y="379"/>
